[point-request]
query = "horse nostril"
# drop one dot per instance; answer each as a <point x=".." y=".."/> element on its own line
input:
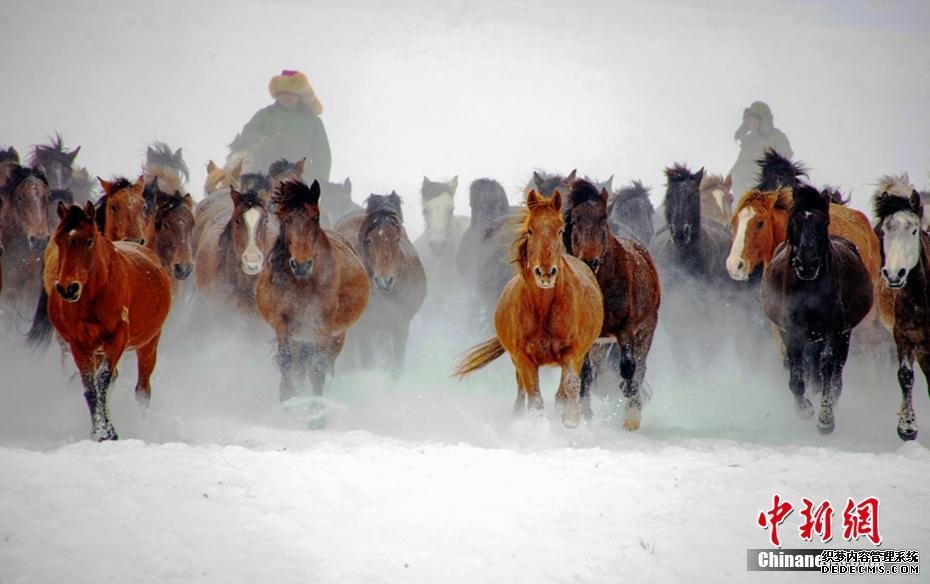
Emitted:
<point x="553" y="271"/>
<point x="741" y="265"/>
<point x="538" y="271"/>
<point x="901" y="272"/>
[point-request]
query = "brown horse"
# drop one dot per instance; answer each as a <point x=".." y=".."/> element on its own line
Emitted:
<point x="904" y="296"/>
<point x="169" y="232"/>
<point x="220" y="178"/>
<point x="550" y="312"/>
<point x="219" y="203"/>
<point x="232" y="249"/>
<point x="815" y="290"/>
<point x="312" y="291"/>
<point x="102" y="298"/>
<point x="629" y="284"/>
<point x="24" y="234"/>
<point x="397" y="277"/>
<point x="120" y="213"/>
<point x="166" y="167"/>
<point x="9" y="159"/>
<point x="717" y="198"/>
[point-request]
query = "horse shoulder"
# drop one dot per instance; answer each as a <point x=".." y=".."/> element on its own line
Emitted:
<point x="854" y="226"/>
<point x="773" y="286"/>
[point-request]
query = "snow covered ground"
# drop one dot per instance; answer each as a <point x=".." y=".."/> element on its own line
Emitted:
<point x="429" y="480"/>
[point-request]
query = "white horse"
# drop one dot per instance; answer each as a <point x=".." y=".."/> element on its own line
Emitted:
<point x="438" y="245"/>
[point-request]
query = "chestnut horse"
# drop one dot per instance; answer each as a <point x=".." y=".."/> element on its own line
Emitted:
<point x="550" y="312"/>
<point x="232" y="248"/>
<point x="815" y="290"/>
<point x="397" y="278"/>
<point x="904" y="295"/>
<point x="629" y="284"/>
<point x="24" y="234"/>
<point x="102" y="298"/>
<point x="312" y="291"/>
<point x="220" y="178"/>
<point x="120" y="213"/>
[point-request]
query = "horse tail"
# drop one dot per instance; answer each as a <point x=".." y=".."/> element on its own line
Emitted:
<point x="40" y="333"/>
<point x="479" y="356"/>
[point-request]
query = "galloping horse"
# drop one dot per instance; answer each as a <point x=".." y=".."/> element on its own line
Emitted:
<point x="220" y="203"/>
<point x="220" y="178"/>
<point x="629" y="284"/>
<point x="396" y="275"/>
<point x="438" y="245"/>
<point x="904" y="295"/>
<point x="102" y="298"/>
<point x="550" y="312"/>
<point x="23" y="234"/>
<point x="120" y="213"/>
<point x="312" y="291"/>
<point x="336" y="201"/>
<point x="231" y="250"/>
<point x="630" y="213"/>
<point x="169" y="233"/>
<point x="815" y="290"/>
<point x="165" y="166"/>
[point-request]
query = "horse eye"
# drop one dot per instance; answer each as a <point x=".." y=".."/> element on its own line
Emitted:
<point x="914" y="232"/>
<point x="760" y="224"/>
<point x="529" y="232"/>
<point x="113" y="207"/>
<point x="238" y="220"/>
<point x="158" y="226"/>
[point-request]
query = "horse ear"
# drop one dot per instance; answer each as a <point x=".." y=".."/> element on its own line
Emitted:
<point x="89" y="210"/>
<point x="536" y="178"/>
<point x="728" y="182"/>
<point x="571" y="177"/>
<point x="235" y="196"/>
<point x="556" y="201"/>
<point x="425" y="181"/>
<point x="73" y="154"/>
<point x="605" y="195"/>
<point x="140" y="183"/>
<point x="149" y="153"/>
<point x="532" y="199"/>
<point x="14" y="153"/>
<point x="315" y="192"/>
<point x="105" y="185"/>
<point x="300" y="165"/>
<point x="61" y="209"/>
<point x="237" y="172"/>
<point x="609" y="183"/>
<point x="699" y="175"/>
<point x="916" y="204"/>
<point x="347" y="184"/>
<point x="394" y="198"/>
<point x="189" y="201"/>
<point x="454" y="183"/>
<point x="211" y="166"/>
<point x="177" y="155"/>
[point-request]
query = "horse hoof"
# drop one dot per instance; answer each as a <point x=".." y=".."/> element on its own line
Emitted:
<point x="804" y="409"/>
<point x="826" y="422"/>
<point x="631" y="419"/>
<point x="105" y="436"/>
<point x="571" y="417"/>
<point x="631" y="425"/>
<point x="907" y="432"/>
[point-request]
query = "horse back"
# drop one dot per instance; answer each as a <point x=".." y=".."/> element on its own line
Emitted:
<point x="854" y="226"/>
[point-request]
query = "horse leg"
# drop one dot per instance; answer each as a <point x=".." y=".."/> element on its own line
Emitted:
<point x="96" y="377"/>
<point x="399" y="336"/>
<point x="832" y="357"/>
<point x="587" y="378"/>
<point x="285" y="360"/>
<point x="794" y="351"/>
<point x="633" y="373"/>
<point x="907" y="419"/>
<point x="528" y="381"/>
<point x="570" y="390"/>
<point x="317" y="364"/>
<point x="146" y="355"/>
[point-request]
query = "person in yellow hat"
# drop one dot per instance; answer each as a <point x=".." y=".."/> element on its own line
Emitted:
<point x="755" y="135"/>
<point x="289" y="128"/>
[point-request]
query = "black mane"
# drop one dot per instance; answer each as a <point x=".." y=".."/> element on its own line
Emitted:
<point x="52" y="152"/>
<point x="380" y="209"/>
<point x="281" y="166"/>
<point x="887" y="205"/>
<point x="160" y="153"/>
<point x="777" y="171"/>
<point x="582" y="191"/>
<point x="809" y="199"/>
<point x="679" y="173"/>
<point x="119" y="183"/>
<point x="635" y="190"/>
<point x="254" y="181"/>
<point x="74" y="218"/>
<point x="9" y="155"/>
<point x="19" y="174"/>
<point x="293" y="195"/>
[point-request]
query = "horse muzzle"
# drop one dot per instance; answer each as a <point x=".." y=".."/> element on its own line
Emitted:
<point x="545" y="279"/>
<point x="806" y="271"/>
<point x="738" y="269"/>
<point x="182" y="271"/>
<point x="69" y="293"/>
<point x="385" y="283"/>
<point x="252" y="264"/>
<point x="302" y="270"/>
<point x="594" y="264"/>
<point x="438" y="246"/>
<point x="896" y="280"/>
<point x="682" y="235"/>
<point x="37" y="243"/>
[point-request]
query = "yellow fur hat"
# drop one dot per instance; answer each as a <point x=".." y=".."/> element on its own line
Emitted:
<point x="295" y="82"/>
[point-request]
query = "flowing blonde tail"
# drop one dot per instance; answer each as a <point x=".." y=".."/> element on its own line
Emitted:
<point x="478" y="356"/>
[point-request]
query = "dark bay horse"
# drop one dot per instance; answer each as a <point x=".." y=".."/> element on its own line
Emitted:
<point x="232" y="249"/>
<point x="121" y="211"/>
<point x="396" y="275"/>
<point x="102" y="298"/>
<point x="9" y="159"/>
<point x="815" y="290"/>
<point x="904" y="295"/>
<point x="630" y="213"/>
<point x="312" y="291"/>
<point x="629" y="284"/>
<point x="24" y="234"/>
<point x="550" y="312"/>
<point x="55" y="161"/>
<point x="169" y="233"/>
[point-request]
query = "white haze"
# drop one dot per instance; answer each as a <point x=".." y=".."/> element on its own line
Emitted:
<point x="482" y="89"/>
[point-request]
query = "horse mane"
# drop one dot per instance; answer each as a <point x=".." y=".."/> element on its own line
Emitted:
<point x="897" y="185"/>
<point x="634" y="190"/>
<point x="777" y="171"/>
<point x="380" y="209"/>
<point x="281" y="166"/>
<point x="711" y="182"/>
<point x="160" y="154"/>
<point x="119" y="183"/>
<point x="836" y="195"/>
<point x="886" y="204"/>
<point x="809" y="199"/>
<point x="61" y="195"/>
<point x="432" y="189"/>
<point x="9" y="155"/>
<point x="18" y="175"/>
<point x="74" y="218"/>
<point x="753" y="196"/>
<point x="254" y="181"/>
<point x="518" y="222"/>
<point x="292" y="195"/>
<point x="55" y="149"/>
<point x="678" y="173"/>
<point x="167" y="202"/>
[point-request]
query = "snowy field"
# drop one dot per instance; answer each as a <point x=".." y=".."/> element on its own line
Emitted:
<point x="428" y="479"/>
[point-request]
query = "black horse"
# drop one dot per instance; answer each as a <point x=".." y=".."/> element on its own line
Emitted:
<point x="630" y="213"/>
<point x="815" y="290"/>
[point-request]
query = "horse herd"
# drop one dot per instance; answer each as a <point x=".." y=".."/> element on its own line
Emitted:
<point x="574" y="276"/>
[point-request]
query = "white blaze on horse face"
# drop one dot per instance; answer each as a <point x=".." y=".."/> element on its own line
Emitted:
<point x="718" y="196"/>
<point x="437" y="213"/>
<point x="252" y="257"/>
<point x="736" y="266"/>
<point x="901" y="242"/>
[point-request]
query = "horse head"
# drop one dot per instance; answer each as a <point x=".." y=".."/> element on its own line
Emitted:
<point x="899" y="231"/>
<point x="122" y="217"/>
<point x="76" y="239"/>
<point x="299" y="214"/>
<point x="23" y="214"/>
<point x="539" y="245"/>
<point x="585" y="215"/>
<point x="438" y="199"/>
<point x="169" y="233"/>
<point x="683" y="204"/>
<point x="808" y="235"/>
<point x="380" y="239"/>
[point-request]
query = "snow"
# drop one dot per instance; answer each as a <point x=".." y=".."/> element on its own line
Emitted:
<point x="427" y="479"/>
